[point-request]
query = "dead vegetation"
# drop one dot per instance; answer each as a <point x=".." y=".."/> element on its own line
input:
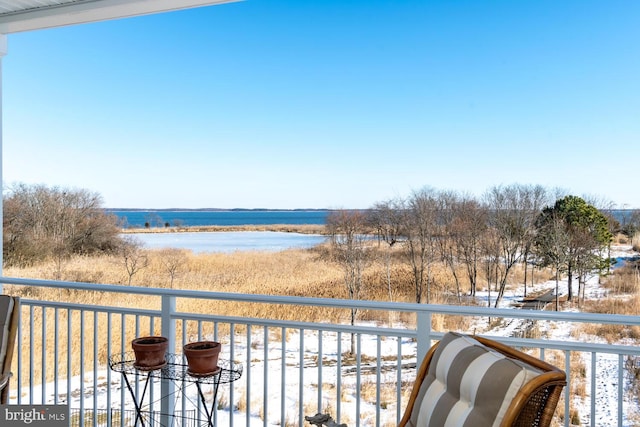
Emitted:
<point x="296" y="272"/>
<point x="304" y="273"/>
<point x="623" y="297"/>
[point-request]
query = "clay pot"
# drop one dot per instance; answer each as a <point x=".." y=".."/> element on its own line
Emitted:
<point x="149" y="352"/>
<point x="202" y="357"/>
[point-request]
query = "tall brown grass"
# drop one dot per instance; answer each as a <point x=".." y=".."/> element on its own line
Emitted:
<point x="304" y="273"/>
<point x="623" y="297"/>
<point x="296" y="272"/>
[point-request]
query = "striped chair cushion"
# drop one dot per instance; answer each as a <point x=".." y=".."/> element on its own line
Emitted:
<point x="468" y="385"/>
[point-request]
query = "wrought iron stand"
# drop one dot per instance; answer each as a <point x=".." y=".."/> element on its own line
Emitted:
<point x="175" y="370"/>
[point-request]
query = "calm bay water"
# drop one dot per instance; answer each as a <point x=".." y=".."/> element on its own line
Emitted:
<point x="158" y="218"/>
<point x="223" y="241"/>
<point x="226" y="241"/>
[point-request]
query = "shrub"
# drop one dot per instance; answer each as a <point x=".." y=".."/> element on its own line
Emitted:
<point x="43" y="223"/>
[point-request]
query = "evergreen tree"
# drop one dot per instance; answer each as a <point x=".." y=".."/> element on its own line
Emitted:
<point x="572" y="236"/>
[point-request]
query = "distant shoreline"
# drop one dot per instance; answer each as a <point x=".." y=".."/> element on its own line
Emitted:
<point x="197" y="219"/>
<point x="286" y="228"/>
<point x="217" y="210"/>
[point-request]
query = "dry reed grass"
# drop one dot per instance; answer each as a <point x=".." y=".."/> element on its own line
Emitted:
<point x="626" y="280"/>
<point x="624" y="298"/>
<point x="301" y="273"/>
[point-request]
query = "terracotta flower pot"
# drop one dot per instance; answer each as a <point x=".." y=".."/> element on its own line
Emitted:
<point x="150" y="352"/>
<point x="202" y="357"/>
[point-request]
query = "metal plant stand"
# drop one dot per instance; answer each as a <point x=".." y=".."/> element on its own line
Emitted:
<point x="175" y="370"/>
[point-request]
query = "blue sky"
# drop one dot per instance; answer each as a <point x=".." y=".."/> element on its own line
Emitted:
<point x="329" y="104"/>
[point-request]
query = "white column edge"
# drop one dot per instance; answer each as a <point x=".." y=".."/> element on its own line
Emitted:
<point x="3" y="52"/>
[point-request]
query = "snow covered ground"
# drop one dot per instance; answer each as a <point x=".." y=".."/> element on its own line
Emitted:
<point x="607" y="387"/>
<point x="606" y="402"/>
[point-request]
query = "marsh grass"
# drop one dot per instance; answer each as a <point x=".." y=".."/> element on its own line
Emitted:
<point x="388" y="394"/>
<point x="297" y="272"/>
<point x="624" y="298"/>
<point x="302" y="273"/>
<point x="625" y="281"/>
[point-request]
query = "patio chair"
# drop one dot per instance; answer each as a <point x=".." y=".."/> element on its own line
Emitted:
<point x="473" y="381"/>
<point x="9" y="313"/>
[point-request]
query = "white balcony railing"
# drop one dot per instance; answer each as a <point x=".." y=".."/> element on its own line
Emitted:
<point x="290" y="369"/>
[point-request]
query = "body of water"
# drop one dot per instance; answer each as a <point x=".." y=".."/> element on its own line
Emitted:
<point x="226" y="241"/>
<point x="223" y="241"/>
<point x="190" y="218"/>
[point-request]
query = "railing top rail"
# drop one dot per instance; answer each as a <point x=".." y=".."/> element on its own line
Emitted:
<point x="331" y="302"/>
<point x="375" y="330"/>
<point x="89" y="307"/>
<point x="565" y="345"/>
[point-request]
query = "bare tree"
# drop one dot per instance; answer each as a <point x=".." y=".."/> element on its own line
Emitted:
<point x="490" y="249"/>
<point x="348" y="237"/>
<point x="153" y="220"/>
<point x="445" y="212"/>
<point x="172" y="260"/>
<point x="60" y="255"/>
<point x="385" y="218"/>
<point x="552" y="242"/>
<point x="606" y="208"/>
<point x="632" y="227"/>
<point x="133" y="257"/>
<point x="420" y="228"/>
<point x="509" y="219"/>
<point x="465" y="227"/>
<point x="534" y="199"/>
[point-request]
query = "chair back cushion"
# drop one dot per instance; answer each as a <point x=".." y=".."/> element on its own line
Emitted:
<point x="468" y="385"/>
<point x="6" y="311"/>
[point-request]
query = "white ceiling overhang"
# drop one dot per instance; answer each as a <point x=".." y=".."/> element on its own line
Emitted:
<point x="28" y="15"/>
